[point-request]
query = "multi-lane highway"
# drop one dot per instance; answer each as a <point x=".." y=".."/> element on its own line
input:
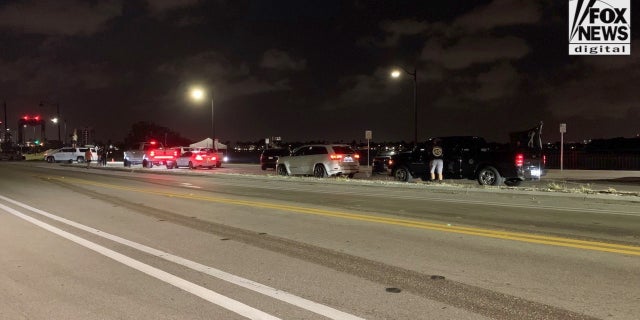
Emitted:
<point x="80" y="243"/>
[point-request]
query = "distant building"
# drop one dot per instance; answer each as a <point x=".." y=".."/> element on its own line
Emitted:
<point x="86" y="136"/>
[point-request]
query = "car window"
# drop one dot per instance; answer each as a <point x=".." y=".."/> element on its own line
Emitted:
<point x="187" y="154"/>
<point x="318" y="150"/>
<point x="276" y="152"/>
<point x="68" y="150"/>
<point x="343" y="150"/>
<point x="301" y="151"/>
<point x="83" y="149"/>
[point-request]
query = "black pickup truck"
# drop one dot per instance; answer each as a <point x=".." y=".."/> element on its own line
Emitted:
<point x="468" y="157"/>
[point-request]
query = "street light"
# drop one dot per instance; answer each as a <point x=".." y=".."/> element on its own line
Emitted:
<point x="56" y="120"/>
<point x="42" y="103"/>
<point x="396" y="74"/>
<point x="199" y="94"/>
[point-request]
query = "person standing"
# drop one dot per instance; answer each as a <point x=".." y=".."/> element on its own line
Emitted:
<point x="87" y="157"/>
<point x="437" y="163"/>
<point x="103" y="156"/>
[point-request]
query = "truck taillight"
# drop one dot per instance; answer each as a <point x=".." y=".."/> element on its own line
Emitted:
<point x="214" y="158"/>
<point x="152" y="153"/>
<point x="519" y="160"/>
<point x="175" y="153"/>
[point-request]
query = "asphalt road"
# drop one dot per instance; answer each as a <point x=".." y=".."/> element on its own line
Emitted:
<point x="82" y="243"/>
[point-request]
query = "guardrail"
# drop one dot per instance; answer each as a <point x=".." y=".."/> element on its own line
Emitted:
<point x="594" y="161"/>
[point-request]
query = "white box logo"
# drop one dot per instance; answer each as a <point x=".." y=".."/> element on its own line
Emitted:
<point x="599" y="27"/>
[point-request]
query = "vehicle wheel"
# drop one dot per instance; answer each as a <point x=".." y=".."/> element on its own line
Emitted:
<point x="145" y="164"/>
<point x="191" y="165"/>
<point x="319" y="171"/>
<point x="351" y="175"/>
<point x="489" y="176"/>
<point x="282" y="170"/>
<point x="51" y="159"/>
<point x="127" y="163"/>
<point x="170" y="165"/>
<point x="218" y="165"/>
<point x="70" y="161"/>
<point x="402" y="174"/>
<point x="513" y="182"/>
<point x="80" y="159"/>
<point x="263" y="167"/>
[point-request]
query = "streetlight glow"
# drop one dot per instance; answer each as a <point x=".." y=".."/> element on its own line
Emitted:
<point x="197" y="94"/>
<point x="54" y="120"/>
<point x="396" y="74"/>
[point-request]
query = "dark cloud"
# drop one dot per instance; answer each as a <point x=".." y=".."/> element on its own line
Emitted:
<point x="277" y="59"/>
<point x="61" y="17"/>
<point x="500" y="13"/>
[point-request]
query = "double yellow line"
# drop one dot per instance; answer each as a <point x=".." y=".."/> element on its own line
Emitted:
<point x="516" y="236"/>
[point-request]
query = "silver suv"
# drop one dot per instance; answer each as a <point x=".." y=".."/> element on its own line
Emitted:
<point x="320" y="161"/>
<point x="69" y="154"/>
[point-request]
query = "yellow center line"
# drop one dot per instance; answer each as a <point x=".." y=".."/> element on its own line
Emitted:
<point x="516" y="236"/>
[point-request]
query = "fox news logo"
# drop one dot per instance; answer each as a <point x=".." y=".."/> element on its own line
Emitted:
<point x="599" y="27"/>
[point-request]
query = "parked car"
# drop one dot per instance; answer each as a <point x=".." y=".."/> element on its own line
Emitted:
<point x="380" y="163"/>
<point x="70" y="154"/>
<point x="149" y="154"/>
<point x="220" y="154"/>
<point x="320" y="161"/>
<point x="269" y="157"/>
<point x="195" y="159"/>
<point x="467" y="157"/>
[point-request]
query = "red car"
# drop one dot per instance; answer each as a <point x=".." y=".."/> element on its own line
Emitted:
<point x="195" y="159"/>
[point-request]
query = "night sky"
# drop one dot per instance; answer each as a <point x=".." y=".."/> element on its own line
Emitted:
<point x="312" y="70"/>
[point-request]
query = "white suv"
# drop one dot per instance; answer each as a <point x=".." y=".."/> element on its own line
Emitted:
<point x="69" y="154"/>
<point x="320" y="161"/>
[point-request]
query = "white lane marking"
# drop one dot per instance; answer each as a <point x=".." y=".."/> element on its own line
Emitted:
<point x="204" y="293"/>
<point x="284" y="296"/>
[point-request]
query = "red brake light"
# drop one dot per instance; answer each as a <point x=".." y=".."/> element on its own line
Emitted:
<point x="198" y="157"/>
<point x="335" y="157"/>
<point x="519" y="160"/>
<point x="175" y="153"/>
<point x="152" y="153"/>
<point x="356" y="156"/>
<point x="214" y="158"/>
<point x="544" y="159"/>
<point x="25" y="117"/>
<point x="153" y="143"/>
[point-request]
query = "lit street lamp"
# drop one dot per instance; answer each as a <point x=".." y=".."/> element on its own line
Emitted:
<point x="199" y="94"/>
<point x="55" y="120"/>
<point x="396" y="74"/>
<point x="57" y="117"/>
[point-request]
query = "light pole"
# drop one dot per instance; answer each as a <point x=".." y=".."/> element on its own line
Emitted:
<point x="56" y="120"/>
<point x="57" y="104"/>
<point x="198" y="95"/>
<point x="396" y="74"/>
